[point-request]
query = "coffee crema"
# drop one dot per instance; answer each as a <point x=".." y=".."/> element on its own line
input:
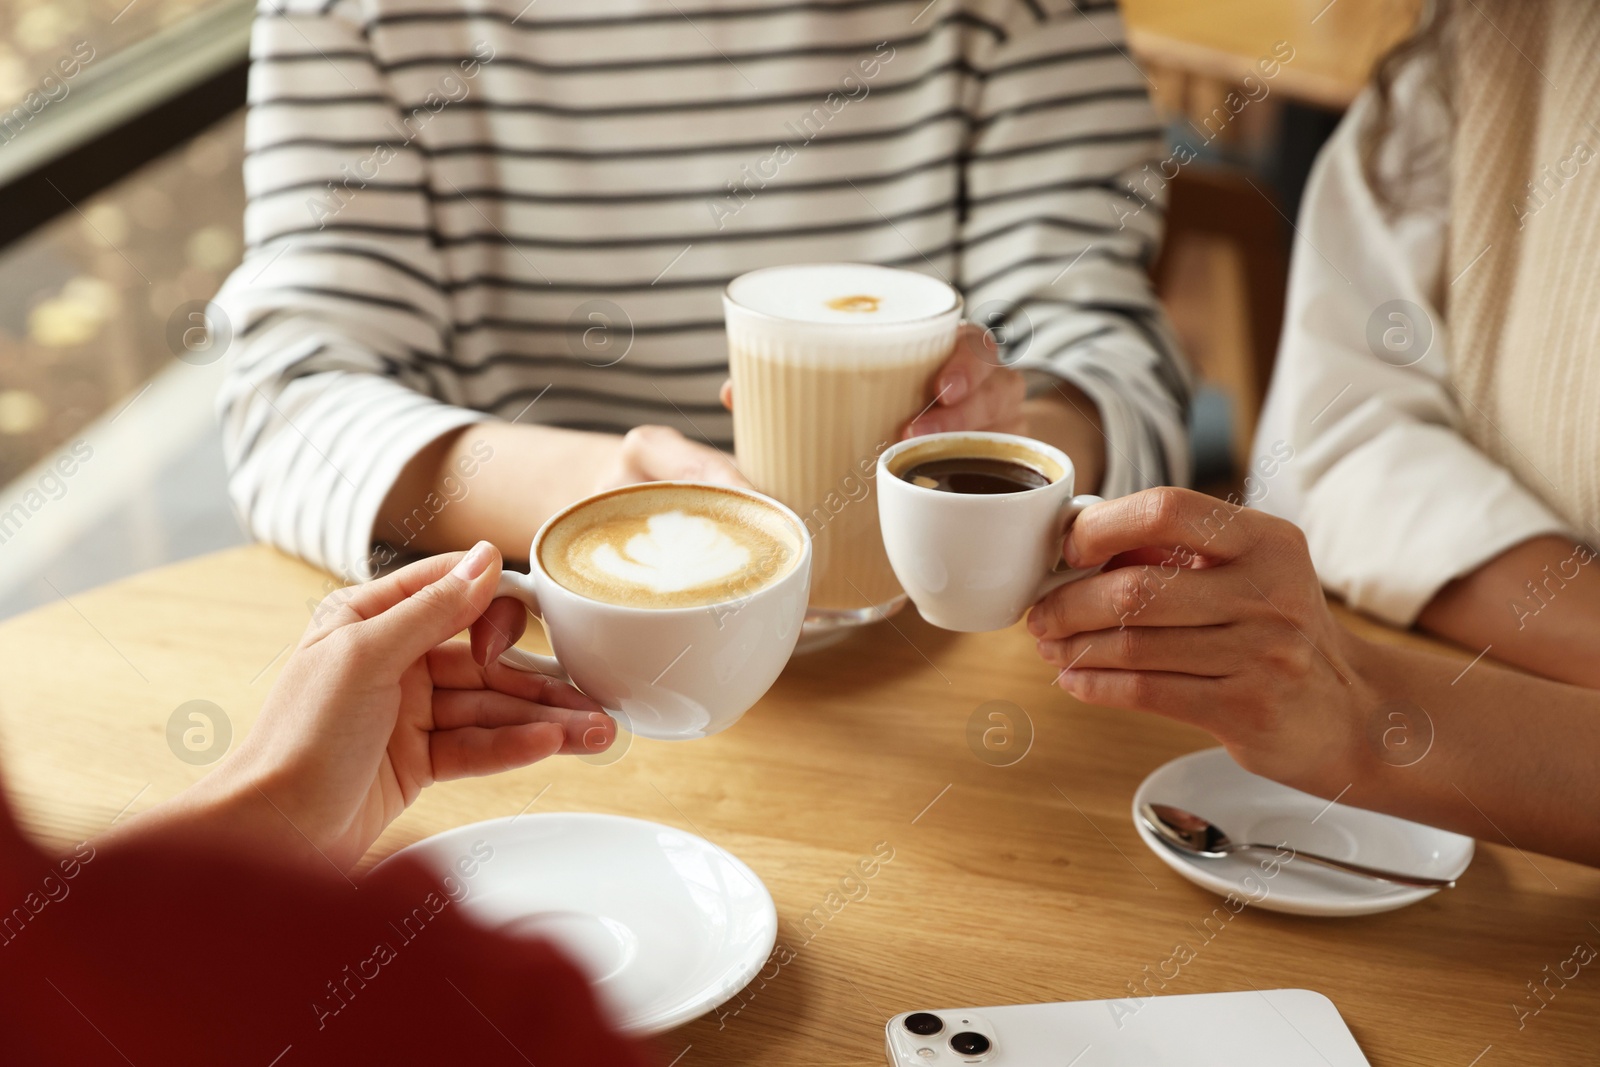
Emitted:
<point x="948" y="453"/>
<point x="669" y="546"/>
<point x="975" y="475"/>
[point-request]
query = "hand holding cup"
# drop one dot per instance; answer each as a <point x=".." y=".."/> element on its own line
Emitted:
<point x="973" y="524"/>
<point x="973" y="390"/>
<point x="675" y="605"/>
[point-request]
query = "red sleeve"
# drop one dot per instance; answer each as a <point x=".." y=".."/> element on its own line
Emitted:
<point x="159" y="954"/>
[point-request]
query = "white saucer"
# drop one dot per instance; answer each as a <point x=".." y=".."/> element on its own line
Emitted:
<point x="666" y="924"/>
<point x="1255" y="809"/>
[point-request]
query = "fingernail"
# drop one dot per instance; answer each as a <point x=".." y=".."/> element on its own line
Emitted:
<point x="494" y="649"/>
<point x="1069" y="553"/>
<point x="599" y="717"/>
<point x="1036" y="624"/>
<point x="955" y="387"/>
<point x="474" y="563"/>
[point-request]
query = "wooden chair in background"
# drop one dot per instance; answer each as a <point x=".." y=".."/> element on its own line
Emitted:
<point x="1223" y="272"/>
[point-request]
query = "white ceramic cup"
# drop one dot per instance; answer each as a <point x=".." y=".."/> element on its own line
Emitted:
<point x="666" y="673"/>
<point x="973" y="562"/>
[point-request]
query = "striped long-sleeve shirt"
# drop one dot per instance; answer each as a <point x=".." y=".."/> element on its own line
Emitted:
<point x="468" y="209"/>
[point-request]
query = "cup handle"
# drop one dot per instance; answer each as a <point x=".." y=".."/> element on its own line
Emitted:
<point x="1058" y="578"/>
<point x="520" y="586"/>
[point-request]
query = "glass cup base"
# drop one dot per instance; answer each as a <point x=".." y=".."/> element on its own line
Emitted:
<point x="826" y="627"/>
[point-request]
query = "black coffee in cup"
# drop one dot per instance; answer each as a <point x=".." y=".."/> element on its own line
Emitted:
<point x="975" y="475"/>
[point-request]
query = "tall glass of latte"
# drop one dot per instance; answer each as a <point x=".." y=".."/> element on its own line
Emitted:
<point x="829" y="361"/>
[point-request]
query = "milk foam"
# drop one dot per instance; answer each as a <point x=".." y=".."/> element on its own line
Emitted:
<point x="666" y="546"/>
<point x="677" y="551"/>
<point x="842" y="293"/>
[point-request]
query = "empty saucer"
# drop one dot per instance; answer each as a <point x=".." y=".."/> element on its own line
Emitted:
<point x="1250" y="808"/>
<point x="665" y="924"/>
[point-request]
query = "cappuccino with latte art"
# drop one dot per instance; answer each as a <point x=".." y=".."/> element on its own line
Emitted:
<point x="669" y="546"/>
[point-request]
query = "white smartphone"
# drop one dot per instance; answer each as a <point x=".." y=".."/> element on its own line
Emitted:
<point x="1265" y="1028"/>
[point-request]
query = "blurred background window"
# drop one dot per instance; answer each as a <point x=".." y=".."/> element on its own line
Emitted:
<point x="121" y="146"/>
<point x="34" y="34"/>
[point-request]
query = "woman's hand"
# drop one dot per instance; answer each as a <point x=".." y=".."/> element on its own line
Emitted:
<point x="1211" y="614"/>
<point x="377" y="703"/>
<point x="662" y="454"/>
<point x="972" y="391"/>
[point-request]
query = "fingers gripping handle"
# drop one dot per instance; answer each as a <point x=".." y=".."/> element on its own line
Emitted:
<point x="1058" y="578"/>
<point x="520" y="586"/>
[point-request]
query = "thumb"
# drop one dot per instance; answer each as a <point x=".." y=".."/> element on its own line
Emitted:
<point x="402" y="634"/>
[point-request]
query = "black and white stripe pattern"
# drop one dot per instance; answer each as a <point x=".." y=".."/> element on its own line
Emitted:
<point x="439" y="192"/>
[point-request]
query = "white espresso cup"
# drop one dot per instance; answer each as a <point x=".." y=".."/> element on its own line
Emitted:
<point x="976" y="562"/>
<point x="669" y="673"/>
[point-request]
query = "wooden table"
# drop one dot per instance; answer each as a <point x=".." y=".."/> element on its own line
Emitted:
<point x="1336" y="43"/>
<point x="1007" y="884"/>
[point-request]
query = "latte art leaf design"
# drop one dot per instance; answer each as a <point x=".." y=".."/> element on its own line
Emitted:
<point x="677" y="551"/>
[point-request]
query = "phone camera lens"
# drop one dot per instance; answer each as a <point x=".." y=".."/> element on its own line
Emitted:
<point x="970" y="1044"/>
<point x="923" y="1023"/>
